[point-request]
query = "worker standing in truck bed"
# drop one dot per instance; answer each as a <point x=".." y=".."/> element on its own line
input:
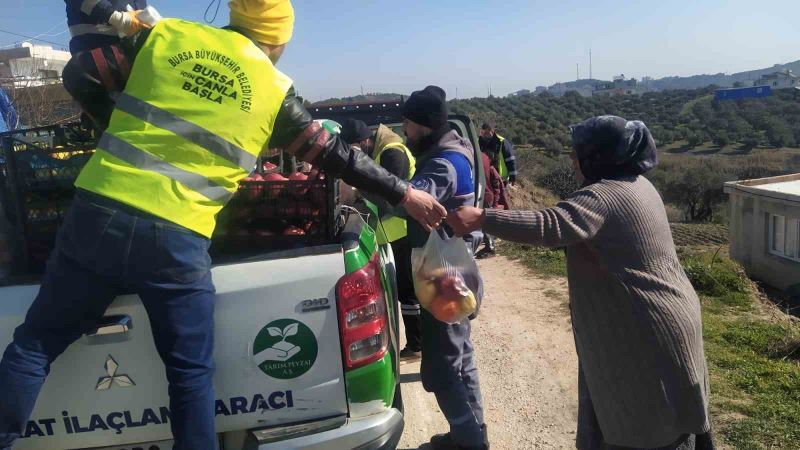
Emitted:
<point x="99" y="23"/>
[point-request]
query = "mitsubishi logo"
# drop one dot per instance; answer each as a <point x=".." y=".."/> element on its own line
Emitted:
<point x="122" y="380"/>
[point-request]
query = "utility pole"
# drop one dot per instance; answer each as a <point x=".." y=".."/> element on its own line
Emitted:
<point x="456" y="92"/>
<point x="590" y="63"/>
<point x="577" y="71"/>
<point x="362" y="88"/>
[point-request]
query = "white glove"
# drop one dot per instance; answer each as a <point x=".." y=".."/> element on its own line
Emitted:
<point x="127" y="23"/>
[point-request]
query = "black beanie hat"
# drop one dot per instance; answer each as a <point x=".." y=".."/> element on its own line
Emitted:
<point x="427" y="107"/>
<point x="355" y="131"/>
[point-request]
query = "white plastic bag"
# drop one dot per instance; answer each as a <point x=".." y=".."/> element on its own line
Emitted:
<point x="446" y="278"/>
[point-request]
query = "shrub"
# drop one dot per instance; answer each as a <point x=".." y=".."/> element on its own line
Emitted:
<point x="716" y="278"/>
<point x="695" y="187"/>
<point x="695" y="138"/>
<point x="560" y="180"/>
<point x="552" y="146"/>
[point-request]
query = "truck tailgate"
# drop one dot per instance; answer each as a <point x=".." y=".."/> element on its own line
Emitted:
<point x="277" y="353"/>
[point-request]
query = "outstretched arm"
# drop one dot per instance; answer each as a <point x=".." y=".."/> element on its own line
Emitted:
<point x="298" y="134"/>
<point x="573" y="220"/>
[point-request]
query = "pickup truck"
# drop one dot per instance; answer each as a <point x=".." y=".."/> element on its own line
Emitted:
<point x="306" y="342"/>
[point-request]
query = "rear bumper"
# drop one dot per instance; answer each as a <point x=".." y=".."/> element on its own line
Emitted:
<point x="376" y="432"/>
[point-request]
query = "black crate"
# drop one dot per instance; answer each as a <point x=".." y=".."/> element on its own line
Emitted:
<point x="38" y="169"/>
<point x="269" y="215"/>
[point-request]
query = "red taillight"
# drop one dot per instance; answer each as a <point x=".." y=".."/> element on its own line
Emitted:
<point x="363" y="319"/>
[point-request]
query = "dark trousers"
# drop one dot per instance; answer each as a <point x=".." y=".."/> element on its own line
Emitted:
<point x="409" y="305"/>
<point x="105" y="249"/>
<point x="449" y="372"/>
<point x="488" y="242"/>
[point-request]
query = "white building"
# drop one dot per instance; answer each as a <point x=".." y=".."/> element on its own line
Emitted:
<point x="559" y="89"/>
<point x="31" y="65"/>
<point x="785" y="79"/>
<point x="765" y="229"/>
<point x="520" y="93"/>
<point x="620" y="86"/>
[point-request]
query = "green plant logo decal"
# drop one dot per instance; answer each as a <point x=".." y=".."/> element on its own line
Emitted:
<point x="285" y="349"/>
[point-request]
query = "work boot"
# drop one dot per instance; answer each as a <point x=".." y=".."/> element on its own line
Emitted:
<point x="445" y="442"/>
<point x="409" y="355"/>
<point x="485" y="253"/>
<point x="485" y="437"/>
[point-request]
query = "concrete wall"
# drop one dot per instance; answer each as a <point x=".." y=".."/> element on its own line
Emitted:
<point x="749" y="229"/>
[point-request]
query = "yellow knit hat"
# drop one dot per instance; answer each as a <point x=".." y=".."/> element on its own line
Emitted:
<point x="268" y="21"/>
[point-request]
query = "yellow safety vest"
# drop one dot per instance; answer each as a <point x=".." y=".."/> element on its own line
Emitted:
<point x="393" y="228"/>
<point x="198" y="108"/>
<point x="501" y="160"/>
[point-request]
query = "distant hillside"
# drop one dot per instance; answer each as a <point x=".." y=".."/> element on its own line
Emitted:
<point x="720" y="79"/>
<point x="368" y="98"/>
<point x="691" y="82"/>
<point x="691" y="116"/>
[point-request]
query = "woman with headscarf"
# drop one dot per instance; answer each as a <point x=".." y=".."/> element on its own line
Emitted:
<point x="643" y="381"/>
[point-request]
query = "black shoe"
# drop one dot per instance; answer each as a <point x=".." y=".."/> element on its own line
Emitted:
<point x="443" y="442"/>
<point x="485" y="253"/>
<point x="408" y="355"/>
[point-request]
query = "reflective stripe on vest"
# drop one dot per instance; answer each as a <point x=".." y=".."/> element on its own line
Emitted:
<point x="145" y="161"/>
<point x="393" y="228"/>
<point x="501" y="160"/>
<point x="197" y="110"/>
<point x="187" y="130"/>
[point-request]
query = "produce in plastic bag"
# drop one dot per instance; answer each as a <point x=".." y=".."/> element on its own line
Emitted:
<point x="446" y="279"/>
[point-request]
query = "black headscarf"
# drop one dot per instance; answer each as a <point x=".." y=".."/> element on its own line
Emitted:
<point x="610" y="147"/>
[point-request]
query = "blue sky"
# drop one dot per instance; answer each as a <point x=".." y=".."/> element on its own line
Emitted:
<point x="402" y="45"/>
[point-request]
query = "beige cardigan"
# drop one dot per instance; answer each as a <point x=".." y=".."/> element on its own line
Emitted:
<point x="635" y="315"/>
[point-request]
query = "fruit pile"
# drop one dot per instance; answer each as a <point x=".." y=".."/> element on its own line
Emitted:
<point x="270" y="206"/>
<point x="444" y="294"/>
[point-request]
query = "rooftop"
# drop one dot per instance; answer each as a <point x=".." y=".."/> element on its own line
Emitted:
<point x="786" y="187"/>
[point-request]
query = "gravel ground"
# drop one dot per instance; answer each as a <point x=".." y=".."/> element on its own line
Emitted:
<point x="526" y="360"/>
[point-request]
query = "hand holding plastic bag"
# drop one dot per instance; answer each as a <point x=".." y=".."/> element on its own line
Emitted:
<point x="446" y="279"/>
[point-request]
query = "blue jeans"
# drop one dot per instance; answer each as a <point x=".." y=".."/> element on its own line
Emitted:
<point x="105" y="249"/>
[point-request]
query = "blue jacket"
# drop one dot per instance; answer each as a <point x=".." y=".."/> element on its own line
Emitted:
<point x="88" y="22"/>
<point x="447" y="172"/>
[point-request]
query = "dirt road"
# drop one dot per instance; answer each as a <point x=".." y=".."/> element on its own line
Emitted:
<point x="527" y="365"/>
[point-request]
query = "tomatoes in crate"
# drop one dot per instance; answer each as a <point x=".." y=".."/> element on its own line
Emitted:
<point x="275" y="186"/>
<point x="299" y="185"/>
<point x="287" y="208"/>
<point x="292" y="230"/>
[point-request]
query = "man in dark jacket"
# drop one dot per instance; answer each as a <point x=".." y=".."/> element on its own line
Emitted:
<point x="99" y="23"/>
<point x="501" y="151"/>
<point x="446" y="169"/>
